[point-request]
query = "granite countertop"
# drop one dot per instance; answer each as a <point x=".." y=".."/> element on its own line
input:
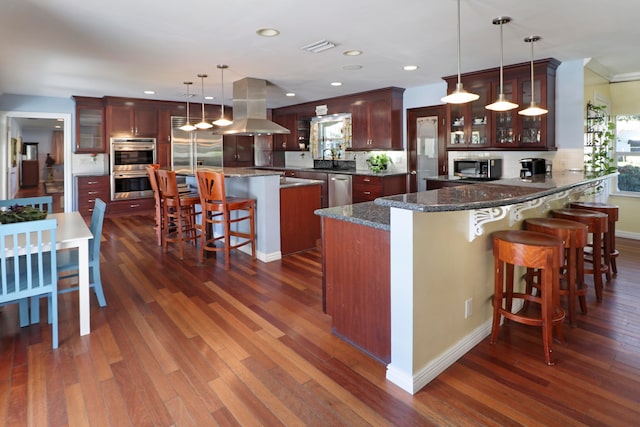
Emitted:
<point x="487" y="194"/>
<point x="341" y="171"/>
<point x="230" y="172"/>
<point x="476" y="195"/>
<point x="367" y="213"/>
<point x="288" y="182"/>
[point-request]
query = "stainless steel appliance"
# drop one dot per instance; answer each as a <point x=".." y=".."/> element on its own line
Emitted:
<point x="532" y="166"/>
<point x="129" y="158"/>
<point x="192" y="149"/>
<point x="339" y="189"/>
<point x="478" y="168"/>
<point x="330" y="136"/>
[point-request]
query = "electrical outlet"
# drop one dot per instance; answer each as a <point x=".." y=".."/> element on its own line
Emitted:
<point x="468" y="308"/>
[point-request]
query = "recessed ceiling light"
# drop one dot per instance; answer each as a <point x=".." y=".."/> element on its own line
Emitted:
<point x="149" y="92"/>
<point x="267" y="32"/>
<point x="336" y="84"/>
<point x="410" y="67"/>
<point x="290" y="94"/>
<point x="352" y="52"/>
<point x="351" y="67"/>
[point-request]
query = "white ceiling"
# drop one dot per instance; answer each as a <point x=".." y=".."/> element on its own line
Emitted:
<point x="122" y="47"/>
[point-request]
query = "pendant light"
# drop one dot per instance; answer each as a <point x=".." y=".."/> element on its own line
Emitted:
<point x="533" y="109"/>
<point x="188" y="127"/>
<point x="459" y="95"/>
<point x="222" y="121"/>
<point x="502" y="103"/>
<point x="203" y="124"/>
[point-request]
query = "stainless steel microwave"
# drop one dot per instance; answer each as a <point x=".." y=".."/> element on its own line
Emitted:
<point x="478" y="168"/>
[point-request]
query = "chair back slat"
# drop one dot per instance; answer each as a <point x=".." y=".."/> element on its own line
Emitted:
<point x="44" y="203"/>
<point x="211" y="187"/>
<point x="97" y="219"/>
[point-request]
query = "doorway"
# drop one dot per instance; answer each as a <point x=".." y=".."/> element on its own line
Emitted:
<point x="54" y="178"/>
<point x="426" y="149"/>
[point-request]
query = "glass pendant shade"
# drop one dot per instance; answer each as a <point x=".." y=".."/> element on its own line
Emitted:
<point x="533" y="109"/>
<point x="222" y="121"/>
<point x="203" y="124"/>
<point x="502" y="103"/>
<point x="459" y="95"/>
<point x="188" y="127"/>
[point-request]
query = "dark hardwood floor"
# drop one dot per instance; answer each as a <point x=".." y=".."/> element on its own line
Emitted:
<point x="184" y="343"/>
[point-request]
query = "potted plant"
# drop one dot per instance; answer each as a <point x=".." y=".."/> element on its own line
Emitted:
<point x="378" y="162"/>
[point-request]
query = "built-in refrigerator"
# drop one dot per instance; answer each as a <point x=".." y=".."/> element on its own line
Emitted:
<point x="195" y="148"/>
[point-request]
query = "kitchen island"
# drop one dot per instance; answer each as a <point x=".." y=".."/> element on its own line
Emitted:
<point x="439" y="258"/>
<point x="264" y="187"/>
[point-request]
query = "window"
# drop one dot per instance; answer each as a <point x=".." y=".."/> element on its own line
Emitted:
<point x="628" y="152"/>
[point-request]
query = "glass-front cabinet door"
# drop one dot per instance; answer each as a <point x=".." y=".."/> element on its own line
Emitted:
<point x="89" y="126"/>
<point x="531" y="128"/>
<point x="469" y="124"/>
<point x="504" y="122"/>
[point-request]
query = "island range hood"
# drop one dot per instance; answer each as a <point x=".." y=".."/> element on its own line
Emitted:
<point x="250" y="110"/>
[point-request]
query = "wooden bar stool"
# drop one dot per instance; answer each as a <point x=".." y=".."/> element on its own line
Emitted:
<point x="151" y="172"/>
<point x="612" y="214"/>
<point x="531" y="250"/>
<point x="178" y="212"/>
<point x="574" y="236"/>
<point x="223" y="211"/>
<point x="597" y="224"/>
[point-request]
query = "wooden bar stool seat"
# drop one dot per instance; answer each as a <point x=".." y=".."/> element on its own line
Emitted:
<point x="530" y="250"/>
<point x="597" y="225"/>
<point x="574" y="235"/>
<point x="612" y="212"/>
<point x="178" y="212"/>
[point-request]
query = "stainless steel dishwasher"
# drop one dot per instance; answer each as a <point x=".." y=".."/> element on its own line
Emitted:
<point x="339" y="189"/>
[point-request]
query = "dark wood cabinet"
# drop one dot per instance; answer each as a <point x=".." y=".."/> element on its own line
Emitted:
<point x="320" y="176"/>
<point x="472" y="127"/>
<point x="133" y="206"/>
<point x="237" y="151"/>
<point x="30" y="173"/>
<point x="88" y="189"/>
<point x="299" y="226"/>
<point x="286" y="142"/>
<point x="357" y="288"/>
<point x="376" y="118"/>
<point x="90" y="135"/>
<point x="366" y="188"/>
<point x="132" y="119"/>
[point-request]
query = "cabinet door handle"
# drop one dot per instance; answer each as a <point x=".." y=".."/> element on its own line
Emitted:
<point x="366" y="180"/>
<point x="367" y="193"/>
<point x="134" y="205"/>
<point x="92" y="192"/>
<point x="92" y="182"/>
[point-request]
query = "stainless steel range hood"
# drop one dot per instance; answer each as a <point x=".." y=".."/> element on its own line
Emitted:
<point x="250" y="110"/>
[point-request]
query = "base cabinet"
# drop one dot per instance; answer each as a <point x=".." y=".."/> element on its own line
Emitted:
<point x="89" y="188"/>
<point x="130" y="207"/>
<point x="299" y="226"/>
<point x="366" y="188"/>
<point x="357" y="288"/>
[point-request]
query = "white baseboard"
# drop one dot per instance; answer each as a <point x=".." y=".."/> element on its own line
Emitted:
<point x="628" y="235"/>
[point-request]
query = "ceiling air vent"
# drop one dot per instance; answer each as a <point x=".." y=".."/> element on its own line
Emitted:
<point x="319" y="46"/>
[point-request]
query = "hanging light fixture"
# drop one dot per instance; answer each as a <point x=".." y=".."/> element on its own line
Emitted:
<point x="533" y="109"/>
<point x="222" y="121"/>
<point x="502" y="103"/>
<point x="188" y="127"/>
<point x="203" y="124"/>
<point x="459" y="95"/>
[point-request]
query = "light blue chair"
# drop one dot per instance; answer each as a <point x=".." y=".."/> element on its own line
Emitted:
<point x="44" y="203"/>
<point x="68" y="260"/>
<point x="34" y="274"/>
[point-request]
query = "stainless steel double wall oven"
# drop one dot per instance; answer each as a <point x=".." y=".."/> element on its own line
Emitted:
<point x="129" y="159"/>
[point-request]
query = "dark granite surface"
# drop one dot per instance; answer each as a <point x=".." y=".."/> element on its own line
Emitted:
<point x="288" y="182"/>
<point x="476" y="195"/>
<point x="486" y="195"/>
<point x="341" y="171"/>
<point x="231" y="172"/>
<point x="367" y="213"/>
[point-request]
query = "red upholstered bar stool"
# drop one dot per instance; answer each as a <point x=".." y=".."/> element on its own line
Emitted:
<point x="612" y="214"/>
<point x="597" y="224"/>
<point x="574" y="236"/>
<point x="530" y="250"/>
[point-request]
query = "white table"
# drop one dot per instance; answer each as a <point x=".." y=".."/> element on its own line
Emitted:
<point x="72" y="232"/>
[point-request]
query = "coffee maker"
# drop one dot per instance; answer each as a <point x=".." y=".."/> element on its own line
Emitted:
<point x="532" y="166"/>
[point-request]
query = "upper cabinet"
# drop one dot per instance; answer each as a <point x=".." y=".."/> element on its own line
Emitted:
<point x="131" y="118"/>
<point x="377" y="120"/>
<point x="472" y="126"/>
<point x="288" y="141"/>
<point x="89" y="125"/>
